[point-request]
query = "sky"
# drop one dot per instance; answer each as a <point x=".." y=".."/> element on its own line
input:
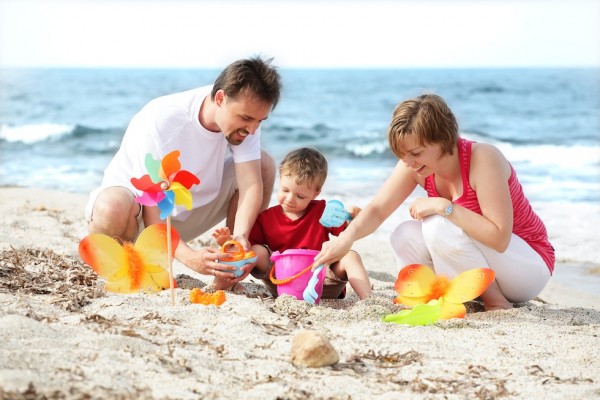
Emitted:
<point x="299" y="34"/>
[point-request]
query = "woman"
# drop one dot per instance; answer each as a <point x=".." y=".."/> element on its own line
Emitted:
<point x="475" y="214"/>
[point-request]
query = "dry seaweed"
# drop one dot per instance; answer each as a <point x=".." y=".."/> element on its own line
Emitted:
<point x="389" y="360"/>
<point x="69" y="282"/>
<point x="538" y="371"/>
<point x="475" y="383"/>
<point x="74" y="393"/>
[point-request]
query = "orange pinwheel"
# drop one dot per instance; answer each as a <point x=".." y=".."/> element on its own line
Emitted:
<point x="129" y="268"/>
<point x="418" y="284"/>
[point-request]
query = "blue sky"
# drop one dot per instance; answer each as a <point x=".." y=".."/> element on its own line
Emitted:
<point x="308" y="33"/>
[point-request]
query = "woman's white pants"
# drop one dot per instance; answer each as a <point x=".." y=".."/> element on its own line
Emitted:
<point x="520" y="271"/>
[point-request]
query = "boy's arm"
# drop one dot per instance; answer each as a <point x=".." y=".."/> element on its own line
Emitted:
<point x="250" y="188"/>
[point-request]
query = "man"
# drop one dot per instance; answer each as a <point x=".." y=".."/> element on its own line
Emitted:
<point x="216" y="128"/>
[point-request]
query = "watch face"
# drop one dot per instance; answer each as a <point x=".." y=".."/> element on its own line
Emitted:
<point x="448" y="210"/>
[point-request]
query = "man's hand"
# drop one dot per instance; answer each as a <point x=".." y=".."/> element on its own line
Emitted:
<point x="206" y="261"/>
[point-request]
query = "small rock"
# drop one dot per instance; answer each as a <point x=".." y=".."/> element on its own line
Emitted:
<point x="313" y="349"/>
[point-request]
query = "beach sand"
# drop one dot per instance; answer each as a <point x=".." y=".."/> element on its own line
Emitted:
<point x="63" y="336"/>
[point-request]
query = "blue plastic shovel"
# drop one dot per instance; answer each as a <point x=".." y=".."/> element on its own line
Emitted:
<point x="334" y="215"/>
<point x="310" y="294"/>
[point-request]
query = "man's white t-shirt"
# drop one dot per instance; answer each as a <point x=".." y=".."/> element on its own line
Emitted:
<point x="172" y="123"/>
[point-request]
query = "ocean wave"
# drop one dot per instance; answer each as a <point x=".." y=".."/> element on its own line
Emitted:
<point x="574" y="139"/>
<point x="578" y="160"/>
<point x="35" y="133"/>
<point x="375" y="148"/>
<point x="488" y="89"/>
<point x="540" y="153"/>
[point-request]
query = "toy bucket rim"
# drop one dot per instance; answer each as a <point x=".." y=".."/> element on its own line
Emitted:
<point x="293" y="252"/>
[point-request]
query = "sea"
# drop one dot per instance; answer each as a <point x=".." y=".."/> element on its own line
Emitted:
<point x="60" y="127"/>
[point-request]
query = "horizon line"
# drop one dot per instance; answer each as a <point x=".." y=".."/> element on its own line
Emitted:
<point x="314" y="67"/>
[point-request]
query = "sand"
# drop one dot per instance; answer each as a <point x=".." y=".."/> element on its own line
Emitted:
<point x="63" y="336"/>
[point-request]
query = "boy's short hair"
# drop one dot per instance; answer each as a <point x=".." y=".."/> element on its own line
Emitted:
<point x="306" y="165"/>
<point x="254" y="76"/>
<point x="426" y="116"/>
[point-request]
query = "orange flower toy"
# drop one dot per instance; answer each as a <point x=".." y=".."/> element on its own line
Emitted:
<point x="418" y="284"/>
<point x="129" y="268"/>
<point x="199" y="297"/>
<point x="164" y="186"/>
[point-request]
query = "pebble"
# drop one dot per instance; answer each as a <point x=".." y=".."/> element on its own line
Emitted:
<point x="313" y="349"/>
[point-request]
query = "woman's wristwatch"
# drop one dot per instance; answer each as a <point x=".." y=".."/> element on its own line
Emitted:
<point x="448" y="210"/>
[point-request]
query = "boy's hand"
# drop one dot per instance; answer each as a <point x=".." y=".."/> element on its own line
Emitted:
<point x="222" y="235"/>
<point x="243" y="241"/>
<point x="353" y="211"/>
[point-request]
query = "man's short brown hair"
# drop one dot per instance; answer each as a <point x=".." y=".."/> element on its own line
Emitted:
<point x="255" y="77"/>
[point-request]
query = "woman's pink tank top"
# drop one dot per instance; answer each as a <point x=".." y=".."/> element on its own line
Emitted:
<point x="526" y="223"/>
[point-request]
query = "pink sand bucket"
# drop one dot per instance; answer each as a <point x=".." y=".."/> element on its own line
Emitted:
<point x="293" y="272"/>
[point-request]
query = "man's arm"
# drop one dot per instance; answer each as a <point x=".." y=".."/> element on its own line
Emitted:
<point x="201" y="261"/>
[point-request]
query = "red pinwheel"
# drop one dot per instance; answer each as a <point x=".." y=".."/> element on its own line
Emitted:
<point x="166" y="184"/>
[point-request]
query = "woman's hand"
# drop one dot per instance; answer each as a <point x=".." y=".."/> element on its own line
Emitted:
<point x="333" y="251"/>
<point x="424" y="207"/>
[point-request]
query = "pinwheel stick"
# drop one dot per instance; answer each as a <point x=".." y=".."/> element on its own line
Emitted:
<point x="165" y="185"/>
<point x="169" y="247"/>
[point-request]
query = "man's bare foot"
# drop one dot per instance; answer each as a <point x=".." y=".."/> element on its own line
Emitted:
<point x="236" y="288"/>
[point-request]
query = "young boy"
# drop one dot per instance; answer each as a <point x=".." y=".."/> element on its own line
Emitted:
<point x="294" y="224"/>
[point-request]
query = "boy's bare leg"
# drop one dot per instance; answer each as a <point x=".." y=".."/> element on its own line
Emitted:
<point x="351" y="268"/>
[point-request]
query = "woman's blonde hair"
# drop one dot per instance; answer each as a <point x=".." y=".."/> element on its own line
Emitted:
<point x="426" y="116"/>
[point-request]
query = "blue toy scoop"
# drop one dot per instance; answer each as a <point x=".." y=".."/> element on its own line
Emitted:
<point x="334" y="215"/>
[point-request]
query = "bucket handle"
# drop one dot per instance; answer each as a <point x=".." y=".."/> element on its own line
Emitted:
<point x="287" y="280"/>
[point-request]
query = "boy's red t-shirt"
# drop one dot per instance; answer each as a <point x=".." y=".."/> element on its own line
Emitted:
<point x="280" y="233"/>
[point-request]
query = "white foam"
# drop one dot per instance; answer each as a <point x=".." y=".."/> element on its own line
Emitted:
<point x="577" y="158"/>
<point x="34" y="132"/>
<point x="367" y="149"/>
